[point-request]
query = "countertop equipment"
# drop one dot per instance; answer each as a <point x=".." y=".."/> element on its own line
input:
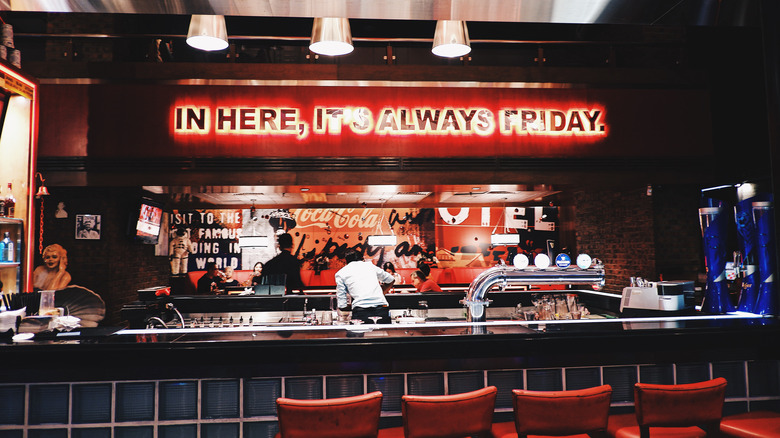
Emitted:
<point x="660" y="295"/>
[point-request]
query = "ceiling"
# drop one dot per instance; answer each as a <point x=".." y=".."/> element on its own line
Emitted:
<point x="701" y="12"/>
<point x="356" y="195"/>
<point x="278" y="31"/>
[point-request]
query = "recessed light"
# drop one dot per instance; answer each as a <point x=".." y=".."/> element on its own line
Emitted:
<point x="475" y="188"/>
<point x="304" y="189"/>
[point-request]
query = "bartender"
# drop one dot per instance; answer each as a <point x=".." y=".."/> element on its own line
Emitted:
<point x="366" y="284"/>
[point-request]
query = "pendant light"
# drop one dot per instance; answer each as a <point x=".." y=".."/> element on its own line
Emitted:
<point x="208" y="32"/>
<point x="451" y="39"/>
<point x="331" y="36"/>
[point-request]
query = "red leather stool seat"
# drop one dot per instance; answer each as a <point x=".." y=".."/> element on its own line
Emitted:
<point x="758" y="424"/>
<point x="446" y="416"/>
<point x="625" y="426"/>
<point x="686" y="410"/>
<point x="507" y="430"/>
<point x="557" y="413"/>
<point x="345" y="417"/>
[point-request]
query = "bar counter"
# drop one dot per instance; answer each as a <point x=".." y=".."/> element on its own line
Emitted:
<point x="292" y="349"/>
<point x="224" y="380"/>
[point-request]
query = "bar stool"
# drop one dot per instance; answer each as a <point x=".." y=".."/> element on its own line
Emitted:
<point x="687" y="410"/>
<point x="345" y="417"/>
<point x="577" y="413"/>
<point x="756" y="424"/>
<point x="446" y="416"/>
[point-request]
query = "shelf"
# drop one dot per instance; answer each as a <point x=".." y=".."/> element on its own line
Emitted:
<point x="9" y="265"/>
<point x="11" y="220"/>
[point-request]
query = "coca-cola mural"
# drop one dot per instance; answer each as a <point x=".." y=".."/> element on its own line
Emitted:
<point x="446" y="237"/>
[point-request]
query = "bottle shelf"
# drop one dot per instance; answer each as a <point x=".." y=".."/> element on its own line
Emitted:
<point x="11" y="272"/>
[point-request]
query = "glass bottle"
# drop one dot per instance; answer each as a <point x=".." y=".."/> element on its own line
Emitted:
<point x="10" y="202"/>
<point x="8" y="248"/>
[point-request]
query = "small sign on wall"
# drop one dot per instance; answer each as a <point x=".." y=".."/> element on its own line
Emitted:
<point x="88" y="226"/>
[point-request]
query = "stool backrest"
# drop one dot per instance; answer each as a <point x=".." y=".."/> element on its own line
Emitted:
<point x="445" y="416"/>
<point x="346" y="417"/>
<point x="571" y="412"/>
<point x="690" y="404"/>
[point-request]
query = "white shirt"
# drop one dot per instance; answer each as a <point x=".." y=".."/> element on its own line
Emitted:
<point x="361" y="281"/>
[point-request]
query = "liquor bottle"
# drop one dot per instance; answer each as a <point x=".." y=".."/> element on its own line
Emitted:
<point x="10" y="202"/>
<point x="8" y="248"/>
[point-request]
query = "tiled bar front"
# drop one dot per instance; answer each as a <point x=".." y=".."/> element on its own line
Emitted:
<point x="244" y="407"/>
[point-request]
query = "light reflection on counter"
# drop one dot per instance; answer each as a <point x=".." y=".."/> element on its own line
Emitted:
<point x="632" y="323"/>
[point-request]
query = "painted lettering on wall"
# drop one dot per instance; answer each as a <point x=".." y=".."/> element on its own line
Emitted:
<point x="213" y="236"/>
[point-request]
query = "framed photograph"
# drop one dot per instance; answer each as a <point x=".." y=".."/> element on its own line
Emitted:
<point x="88" y="226"/>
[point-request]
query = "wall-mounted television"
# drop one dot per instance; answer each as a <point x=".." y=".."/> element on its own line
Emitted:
<point x="146" y="221"/>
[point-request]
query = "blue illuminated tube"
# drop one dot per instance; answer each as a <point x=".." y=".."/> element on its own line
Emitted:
<point x="746" y="229"/>
<point x="714" y="227"/>
<point x="763" y="215"/>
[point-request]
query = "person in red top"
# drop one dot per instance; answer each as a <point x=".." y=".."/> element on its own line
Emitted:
<point x="423" y="284"/>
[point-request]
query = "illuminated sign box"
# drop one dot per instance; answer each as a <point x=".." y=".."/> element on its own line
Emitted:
<point x="253" y="241"/>
<point x="382" y="240"/>
<point x="505" y="239"/>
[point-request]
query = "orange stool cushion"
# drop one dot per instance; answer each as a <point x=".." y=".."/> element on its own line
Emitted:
<point x="346" y="417"/>
<point x="391" y="432"/>
<point x="508" y="430"/>
<point x="679" y="405"/>
<point x="758" y="424"/>
<point x="445" y="416"/>
<point x="561" y="412"/>
<point x="626" y="426"/>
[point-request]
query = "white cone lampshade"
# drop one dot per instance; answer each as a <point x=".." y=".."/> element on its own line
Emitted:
<point x="451" y="39"/>
<point x="331" y="36"/>
<point x="208" y="32"/>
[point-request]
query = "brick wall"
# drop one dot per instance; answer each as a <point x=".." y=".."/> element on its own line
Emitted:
<point x="677" y="232"/>
<point x="637" y="235"/>
<point x="80" y="49"/>
<point x="114" y="266"/>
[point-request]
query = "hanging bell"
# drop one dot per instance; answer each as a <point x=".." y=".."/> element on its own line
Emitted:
<point x="42" y="191"/>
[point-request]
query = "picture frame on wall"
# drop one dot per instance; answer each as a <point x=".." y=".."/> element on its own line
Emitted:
<point x="88" y="226"/>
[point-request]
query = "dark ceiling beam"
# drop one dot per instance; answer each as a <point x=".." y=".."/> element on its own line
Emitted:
<point x="448" y="76"/>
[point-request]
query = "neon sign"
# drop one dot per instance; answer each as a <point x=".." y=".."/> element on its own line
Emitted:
<point x="392" y="121"/>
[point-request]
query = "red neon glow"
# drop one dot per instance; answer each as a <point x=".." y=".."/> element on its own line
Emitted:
<point x="331" y="120"/>
<point x="17" y="83"/>
<point x="554" y="122"/>
<point x="437" y="121"/>
<point x="239" y="121"/>
<point x="191" y="120"/>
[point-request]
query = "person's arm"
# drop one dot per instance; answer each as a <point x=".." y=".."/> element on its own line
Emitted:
<point x="386" y="279"/>
<point x="297" y="281"/>
<point x="341" y="293"/>
<point x="386" y="287"/>
<point x="204" y="286"/>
